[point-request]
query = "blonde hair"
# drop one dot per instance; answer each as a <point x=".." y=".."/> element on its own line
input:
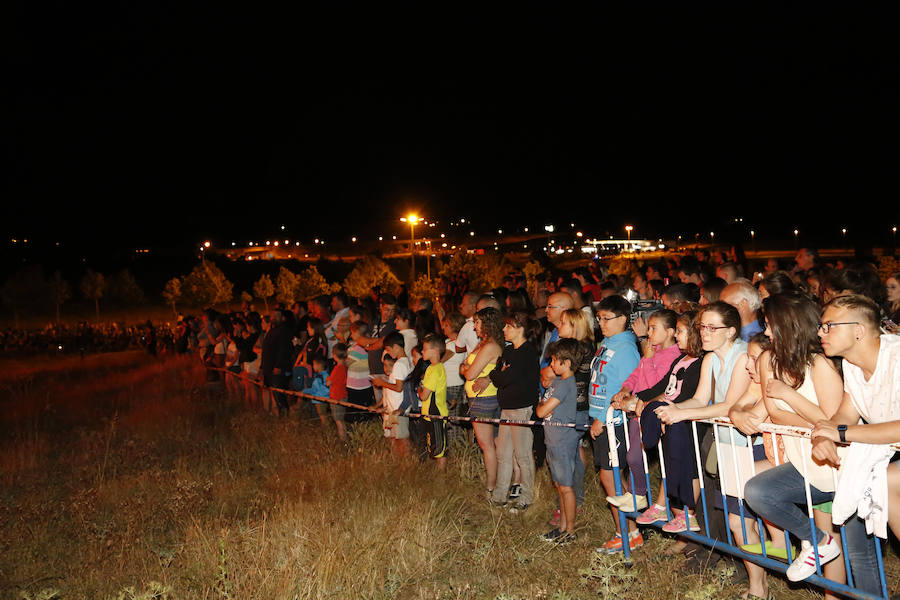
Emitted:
<point x="581" y="326"/>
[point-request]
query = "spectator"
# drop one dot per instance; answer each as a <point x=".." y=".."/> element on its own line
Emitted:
<point x="745" y="298"/>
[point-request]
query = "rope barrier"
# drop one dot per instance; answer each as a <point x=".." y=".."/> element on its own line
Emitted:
<point x="295" y="393"/>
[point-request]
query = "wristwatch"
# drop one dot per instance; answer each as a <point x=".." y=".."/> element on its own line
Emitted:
<point x="842" y="432"/>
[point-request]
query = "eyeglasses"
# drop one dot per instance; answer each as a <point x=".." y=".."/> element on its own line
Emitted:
<point x="553" y="306"/>
<point x="710" y="328"/>
<point x="826" y="327"/>
<point x="605" y="319"/>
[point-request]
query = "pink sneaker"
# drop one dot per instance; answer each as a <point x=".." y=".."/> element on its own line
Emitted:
<point x="679" y="524"/>
<point x="652" y="515"/>
<point x="554" y="520"/>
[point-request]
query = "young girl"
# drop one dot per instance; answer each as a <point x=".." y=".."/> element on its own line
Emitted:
<point x="800" y="387"/>
<point x="316" y="345"/>
<point x="678" y="451"/>
<point x="660" y="350"/>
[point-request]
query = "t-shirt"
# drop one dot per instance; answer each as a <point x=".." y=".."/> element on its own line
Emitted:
<point x="410" y="339"/>
<point x="338" y="388"/>
<point x="878" y="399"/>
<point x="379" y="330"/>
<point x="435" y="380"/>
<point x="451" y="365"/>
<point x="466" y="337"/>
<point x="399" y="372"/>
<point x="566" y="392"/>
<point x="358" y="368"/>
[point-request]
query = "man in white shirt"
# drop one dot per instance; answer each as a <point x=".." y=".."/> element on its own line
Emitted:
<point x="467" y="340"/>
<point x="341" y="312"/>
<point x="871" y="367"/>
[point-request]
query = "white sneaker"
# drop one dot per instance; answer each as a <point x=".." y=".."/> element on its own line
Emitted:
<point x="805" y="563"/>
<point x="626" y="502"/>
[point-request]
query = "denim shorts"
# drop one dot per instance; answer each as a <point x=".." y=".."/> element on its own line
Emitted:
<point x="484" y="407"/>
<point x="561" y="460"/>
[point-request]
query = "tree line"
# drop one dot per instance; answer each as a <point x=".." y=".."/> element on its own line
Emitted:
<point x="31" y="290"/>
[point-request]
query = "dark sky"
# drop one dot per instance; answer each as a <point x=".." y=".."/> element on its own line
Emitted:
<point x="161" y="122"/>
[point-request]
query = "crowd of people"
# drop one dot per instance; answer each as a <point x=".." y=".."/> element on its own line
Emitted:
<point x="605" y="367"/>
<point x="630" y="360"/>
<point x="87" y="338"/>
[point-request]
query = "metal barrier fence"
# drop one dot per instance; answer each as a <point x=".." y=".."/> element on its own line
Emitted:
<point x="727" y="546"/>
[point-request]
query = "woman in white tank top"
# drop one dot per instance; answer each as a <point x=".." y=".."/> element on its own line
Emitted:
<point x="801" y="387"/>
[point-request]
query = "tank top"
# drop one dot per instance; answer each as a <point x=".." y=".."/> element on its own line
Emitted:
<point x="819" y="475"/>
<point x="722" y="372"/>
<point x="491" y="389"/>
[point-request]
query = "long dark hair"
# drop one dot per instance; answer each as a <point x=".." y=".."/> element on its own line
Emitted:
<point x="794" y="322"/>
<point x="491" y="324"/>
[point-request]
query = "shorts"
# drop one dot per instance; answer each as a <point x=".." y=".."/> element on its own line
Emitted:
<point x="601" y="449"/>
<point x="364" y="397"/>
<point x="395" y="426"/>
<point x="338" y="411"/>
<point x="484" y="407"/>
<point x="436" y="437"/>
<point x="561" y="460"/>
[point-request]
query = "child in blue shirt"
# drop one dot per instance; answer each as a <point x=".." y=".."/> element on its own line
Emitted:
<point x="558" y="405"/>
<point x="319" y="387"/>
<point x="616" y="357"/>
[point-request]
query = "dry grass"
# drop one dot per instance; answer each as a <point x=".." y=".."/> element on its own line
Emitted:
<point x="125" y="478"/>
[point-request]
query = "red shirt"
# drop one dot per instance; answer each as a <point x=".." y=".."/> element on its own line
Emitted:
<point x="337" y="389"/>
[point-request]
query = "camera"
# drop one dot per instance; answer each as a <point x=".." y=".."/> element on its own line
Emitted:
<point x="641" y="309"/>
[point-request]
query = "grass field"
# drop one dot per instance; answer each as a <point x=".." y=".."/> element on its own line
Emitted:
<point x="123" y="477"/>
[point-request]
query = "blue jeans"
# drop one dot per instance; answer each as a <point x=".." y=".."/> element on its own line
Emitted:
<point x="776" y="496"/>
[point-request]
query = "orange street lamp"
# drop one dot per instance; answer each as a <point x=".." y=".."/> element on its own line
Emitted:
<point x="412" y="220"/>
<point x="628" y="230"/>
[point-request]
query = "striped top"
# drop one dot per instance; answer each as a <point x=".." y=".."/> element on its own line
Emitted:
<point x="358" y="368"/>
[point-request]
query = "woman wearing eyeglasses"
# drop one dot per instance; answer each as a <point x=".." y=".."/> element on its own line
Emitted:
<point x="723" y="381"/>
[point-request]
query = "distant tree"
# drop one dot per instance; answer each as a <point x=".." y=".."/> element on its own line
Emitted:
<point x="369" y="272"/>
<point x="124" y="287"/>
<point x="246" y="297"/>
<point x="207" y="286"/>
<point x="265" y="289"/>
<point x="172" y="293"/>
<point x="23" y="290"/>
<point x="311" y="283"/>
<point x="93" y="286"/>
<point x="485" y="271"/>
<point x="423" y="287"/>
<point x="60" y="291"/>
<point x="286" y="284"/>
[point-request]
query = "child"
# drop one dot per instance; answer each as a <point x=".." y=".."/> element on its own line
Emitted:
<point x="433" y="394"/>
<point x="359" y="384"/>
<point x="398" y="367"/>
<point x="319" y="387"/>
<point x="616" y="357"/>
<point x="659" y="352"/>
<point x="456" y="396"/>
<point x="559" y="405"/>
<point x="337" y="388"/>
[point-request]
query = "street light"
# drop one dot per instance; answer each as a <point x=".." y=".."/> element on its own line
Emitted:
<point x="628" y="229"/>
<point x="412" y="220"/>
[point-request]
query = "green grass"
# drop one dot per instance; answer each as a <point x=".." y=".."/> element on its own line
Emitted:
<point x="124" y="478"/>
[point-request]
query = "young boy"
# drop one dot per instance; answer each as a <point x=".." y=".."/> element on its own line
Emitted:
<point x="433" y="394"/>
<point x="319" y="387"/>
<point x="616" y="358"/>
<point x="398" y="367"/>
<point x="337" y="388"/>
<point x="559" y="405"/>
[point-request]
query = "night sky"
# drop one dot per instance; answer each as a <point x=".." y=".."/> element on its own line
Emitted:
<point x="165" y="123"/>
